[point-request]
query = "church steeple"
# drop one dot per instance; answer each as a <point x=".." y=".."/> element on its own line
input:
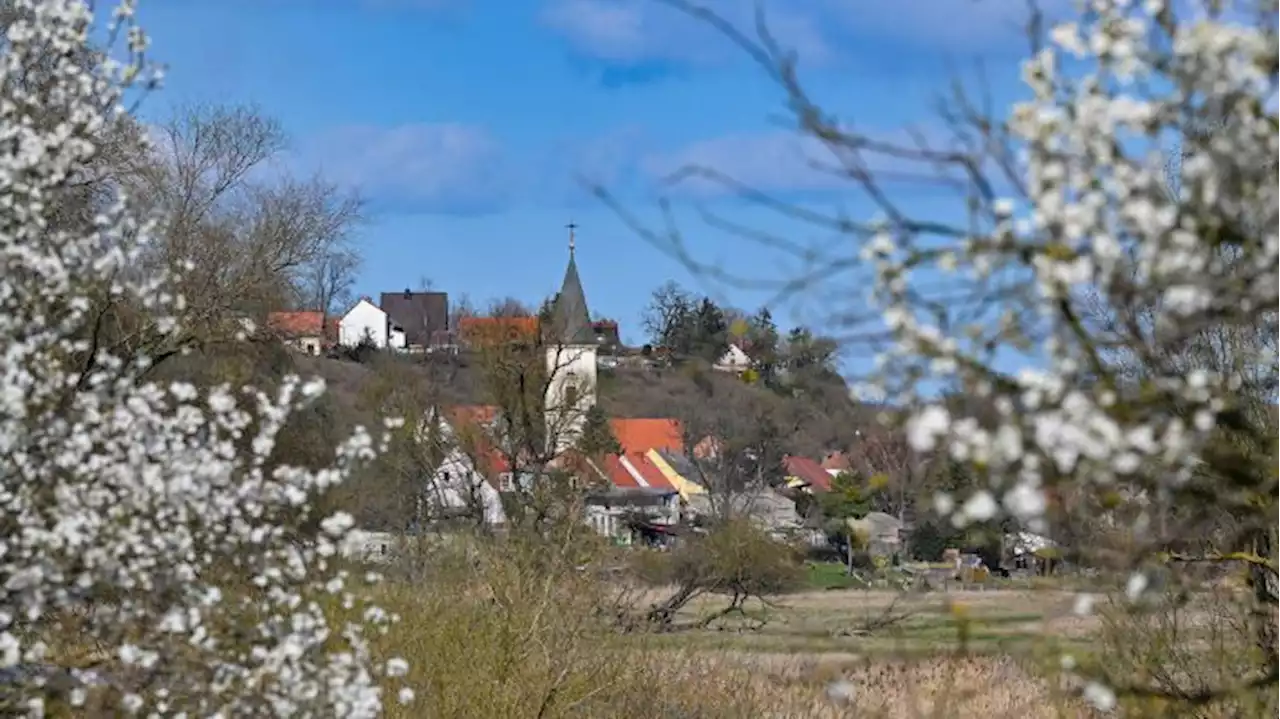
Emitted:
<point x="570" y="320"/>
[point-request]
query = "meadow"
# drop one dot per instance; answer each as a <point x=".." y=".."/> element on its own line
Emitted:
<point x="531" y="634"/>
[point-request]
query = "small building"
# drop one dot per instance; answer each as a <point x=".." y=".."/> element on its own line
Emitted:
<point x="479" y="332"/>
<point x="807" y="474"/>
<point x="419" y="314"/>
<point x="366" y="321"/>
<point x="634" y="502"/>
<point x="883" y="533"/>
<point x="733" y="360"/>
<point x="607" y="336"/>
<point x="307" y="331"/>
<point x="473" y="470"/>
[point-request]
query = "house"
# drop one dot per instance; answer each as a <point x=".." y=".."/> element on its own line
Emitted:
<point x="628" y="484"/>
<point x="307" y="331"/>
<point x="367" y="321"/>
<point x="475" y="333"/>
<point x="473" y="470"/>
<point x="883" y="533"/>
<point x="836" y="462"/>
<point x="634" y="501"/>
<point x="678" y="471"/>
<point x="804" y="473"/>
<point x="607" y="336"/>
<point x="733" y="360"/>
<point x="766" y="507"/>
<point x="420" y="314"/>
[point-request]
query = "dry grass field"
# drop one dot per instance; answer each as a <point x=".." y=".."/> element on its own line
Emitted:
<point x="970" y="654"/>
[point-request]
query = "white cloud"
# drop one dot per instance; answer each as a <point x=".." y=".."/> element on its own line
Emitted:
<point x="447" y="167"/>
<point x="786" y="161"/>
<point x="628" y="31"/>
<point x="766" y="161"/>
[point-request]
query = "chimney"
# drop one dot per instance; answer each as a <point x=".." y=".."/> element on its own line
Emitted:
<point x="408" y="293"/>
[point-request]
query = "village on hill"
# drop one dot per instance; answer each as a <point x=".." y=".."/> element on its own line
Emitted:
<point x="650" y="475"/>
<point x="647" y="476"/>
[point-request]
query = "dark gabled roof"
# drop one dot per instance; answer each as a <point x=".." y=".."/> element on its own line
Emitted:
<point x="420" y="314"/>
<point x="570" y="321"/>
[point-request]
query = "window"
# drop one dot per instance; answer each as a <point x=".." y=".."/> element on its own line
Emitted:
<point x="570" y="395"/>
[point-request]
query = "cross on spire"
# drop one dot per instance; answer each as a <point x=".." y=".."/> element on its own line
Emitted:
<point x="571" y="227"/>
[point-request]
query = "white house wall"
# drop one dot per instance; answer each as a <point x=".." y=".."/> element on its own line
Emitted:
<point x="363" y="320"/>
<point x="457" y="483"/>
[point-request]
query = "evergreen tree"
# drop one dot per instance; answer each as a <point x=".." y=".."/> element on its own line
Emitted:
<point x="710" y="331"/>
<point x="762" y="336"/>
<point x="597" y="437"/>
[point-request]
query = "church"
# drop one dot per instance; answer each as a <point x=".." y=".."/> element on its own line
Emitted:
<point x="646" y="474"/>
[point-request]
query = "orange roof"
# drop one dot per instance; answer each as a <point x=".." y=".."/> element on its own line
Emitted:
<point x="837" y="460"/>
<point x="472" y="413"/>
<point x="642" y="435"/>
<point x="618" y="475"/>
<point x="306" y="323"/>
<point x="497" y="329"/>
<point x="475" y="417"/>
<point x="648" y="472"/>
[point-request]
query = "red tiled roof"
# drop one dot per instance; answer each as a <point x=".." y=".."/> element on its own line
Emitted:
<point x="837" y="460"/>
<point x="648" y="471"/>
<point x="809" y="471"/>
<point x="618" y="475"/>
<point x="296" y="324"/>
<point x="474" y="413"/>
<point x="497" y="329"/>
<point x="642" y="435"/>
<point x="476" y="418"/>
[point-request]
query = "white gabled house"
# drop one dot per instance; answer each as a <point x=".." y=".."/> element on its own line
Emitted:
<point x="366" y="320"/>
<point x="458" y="485"/>
<point x="733" y="360"/>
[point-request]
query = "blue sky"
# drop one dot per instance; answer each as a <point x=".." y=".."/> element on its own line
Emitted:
<point x="465" y="123"/>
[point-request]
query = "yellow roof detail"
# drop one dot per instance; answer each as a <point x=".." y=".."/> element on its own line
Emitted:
<point x="685" y="487"/>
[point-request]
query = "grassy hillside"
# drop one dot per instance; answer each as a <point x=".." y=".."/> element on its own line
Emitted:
<point x="814" y="415"/>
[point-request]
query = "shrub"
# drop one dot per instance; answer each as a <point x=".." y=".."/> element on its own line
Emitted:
<point x="522" y="626"/>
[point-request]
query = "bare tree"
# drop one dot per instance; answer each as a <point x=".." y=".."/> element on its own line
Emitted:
<point x="328" y="281"/>
<point x="248" y="243"/>
<point x="509" y="307"/>
<point x="669" y="314"/>
<point x="734" y="444"/>
<point x="461" y="307"/>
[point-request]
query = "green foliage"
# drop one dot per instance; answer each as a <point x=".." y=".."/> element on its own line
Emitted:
<point x="929" y="539"/>
<point x="686" y="325"/>
<point x="808" y="352"/>
<point x="710" y="333"/>
<point x="850" y="497"/>
<point x="597" y="438"/>
<point x="735" y="558"/>
<point x="762" y="345"/>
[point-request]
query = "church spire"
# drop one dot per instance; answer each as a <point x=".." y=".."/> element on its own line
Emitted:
<point x="570" y="320"/>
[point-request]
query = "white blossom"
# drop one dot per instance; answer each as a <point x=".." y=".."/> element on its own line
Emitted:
<point x="1098" y="411"/>
<point x="128" y="497"/>
<point x="1099" y="696"/>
